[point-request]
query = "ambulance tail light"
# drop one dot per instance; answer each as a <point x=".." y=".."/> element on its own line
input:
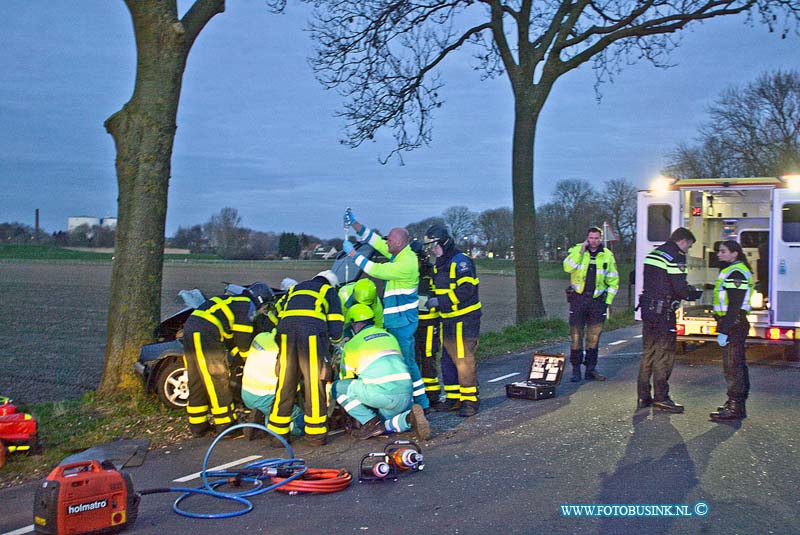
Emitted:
<point x="778" y="333"/>
<point x="680" y="329"/>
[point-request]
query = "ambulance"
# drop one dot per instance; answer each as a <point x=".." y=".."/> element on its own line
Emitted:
<point x="763" y="215"/>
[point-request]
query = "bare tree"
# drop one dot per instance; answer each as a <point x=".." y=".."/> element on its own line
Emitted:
<point x="418" y="228"/>
<point x="144" y="133"/>
<point x="496" y="226"/>
<point x="384" y="57"/>
<point x="462" y="222"/>
<point x="619" y="202"/>
<point x="752" y="131"/>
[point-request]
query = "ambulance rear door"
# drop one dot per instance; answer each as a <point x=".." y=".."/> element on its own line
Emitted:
<point x="657" y="215"/>
<point x="784" y="283"/>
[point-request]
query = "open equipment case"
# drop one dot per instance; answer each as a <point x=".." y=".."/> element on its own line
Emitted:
<point x="544" y="374"/>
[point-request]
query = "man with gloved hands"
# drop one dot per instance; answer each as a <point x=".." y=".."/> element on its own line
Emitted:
<point x="400" y="298"/>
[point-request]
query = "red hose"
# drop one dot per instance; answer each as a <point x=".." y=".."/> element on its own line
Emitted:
<point x="320" y="480"/>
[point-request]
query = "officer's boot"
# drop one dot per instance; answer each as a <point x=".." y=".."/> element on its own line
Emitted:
<point x="734" y="411"/>
<point x="576" y="359"/>
<point x="591" y="363"/>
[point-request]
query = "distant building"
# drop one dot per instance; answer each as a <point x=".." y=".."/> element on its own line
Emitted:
<point x="76" y="221"/>
<point x="109" y="222"/>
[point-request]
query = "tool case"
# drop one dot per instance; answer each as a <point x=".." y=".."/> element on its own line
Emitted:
<point x="544" y="374"/>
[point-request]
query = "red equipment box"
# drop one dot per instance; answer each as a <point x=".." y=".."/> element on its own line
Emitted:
<point x="17" y="429"/>
<point x="85" y="497"/>
<point x="544" y="374"/>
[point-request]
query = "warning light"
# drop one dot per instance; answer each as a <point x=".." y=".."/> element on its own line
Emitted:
<point x="776" y="333"/>
<point x="697" y="211"/>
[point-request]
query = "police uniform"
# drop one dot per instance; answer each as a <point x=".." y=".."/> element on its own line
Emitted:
<point x="664" y="284"/>
<point x="455" y="284"/>
<point x="732" y="291"/>
<point x="310" y="314"/>
<point x="594" y="281"/>
<point x="223" y="323"/>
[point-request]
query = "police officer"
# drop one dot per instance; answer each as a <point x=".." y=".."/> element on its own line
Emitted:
<point x="732" y="291"/>
<point x="427" y="339"/>
<point x="375" y="385"/>
<point x="400" y="298"/>
<point x="310" y="315"/>
<point x="594" y="282"/>
<point x="455" y="286"/>
<point x="221" y="324"/>
<point x="664" y="286"/>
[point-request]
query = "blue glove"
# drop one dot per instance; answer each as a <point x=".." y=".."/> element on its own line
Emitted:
<point x="349" y="218"/>
<point x="433" y="302"/>
<point x="347" y="247"/>
<point x="722" y="339"/>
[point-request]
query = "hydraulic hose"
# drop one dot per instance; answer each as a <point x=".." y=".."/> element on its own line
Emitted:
<point x="289" y="475"/>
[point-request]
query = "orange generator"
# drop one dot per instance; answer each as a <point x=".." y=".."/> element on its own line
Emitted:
<point x="85" y="497"/>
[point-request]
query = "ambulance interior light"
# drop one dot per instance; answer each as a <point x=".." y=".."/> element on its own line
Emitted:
<point x="792" y="181"/>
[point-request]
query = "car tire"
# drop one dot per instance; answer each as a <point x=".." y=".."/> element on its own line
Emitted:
<point x="172" y="383"/>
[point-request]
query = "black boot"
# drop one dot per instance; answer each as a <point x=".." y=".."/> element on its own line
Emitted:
<point x="591" y="362"/>
<point x="592" y="375"/>
<point x="668" y="406"/>
<point x="576" y="373"/>
<point x="372" y="428"/>
<point x="734" y="411"/>
<point x="251" y="433"/>
<point x="469" y="408"/>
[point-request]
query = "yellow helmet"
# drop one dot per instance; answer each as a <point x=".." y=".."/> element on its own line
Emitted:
<point x="365" y="291"/>
<point x="359" y="312"/>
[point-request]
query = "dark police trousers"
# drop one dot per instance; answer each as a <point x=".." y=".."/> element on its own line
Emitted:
<point x="658" y="359"/>
<point x="734" y="364"/>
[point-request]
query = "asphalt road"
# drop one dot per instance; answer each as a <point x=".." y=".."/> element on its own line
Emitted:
<point x="511" y="468"/>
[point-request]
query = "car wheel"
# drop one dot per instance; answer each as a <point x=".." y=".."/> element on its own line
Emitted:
<point x="172" y="384"/>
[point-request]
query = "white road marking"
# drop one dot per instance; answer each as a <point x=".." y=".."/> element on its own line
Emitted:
<point x="618" y="342"/>
<point x="638" y="336"/>
<point x="220" y="467"/>
<point x="20" y="531"/>
<point x="506" y="376"/>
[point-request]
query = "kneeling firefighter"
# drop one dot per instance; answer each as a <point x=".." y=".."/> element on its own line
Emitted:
<point x="309" y="318"/>
<point x="221" y="324"/>
<point x="375" y="385"/>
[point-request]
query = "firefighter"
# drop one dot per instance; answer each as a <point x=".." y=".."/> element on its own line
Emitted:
<point x="374" y="385"/>
<point x="309" y="318"/>
<point x="400" y="299"/>
<point x="362" y="291"/>
<point x="455" y="285"/>
<point x="664" y="287"/>
<point x="594" y="282"/>
<point x="732" y="291"/>
<point x="427" y="339"/>
<point x="221" y="324"/>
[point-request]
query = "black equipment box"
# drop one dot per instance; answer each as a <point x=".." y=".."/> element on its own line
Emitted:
<point x="544" y="375"/>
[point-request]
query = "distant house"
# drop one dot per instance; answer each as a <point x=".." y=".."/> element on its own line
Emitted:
<point x="76" y="221"/>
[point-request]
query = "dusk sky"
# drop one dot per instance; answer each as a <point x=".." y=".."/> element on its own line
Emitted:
<point x="257" y="132"/>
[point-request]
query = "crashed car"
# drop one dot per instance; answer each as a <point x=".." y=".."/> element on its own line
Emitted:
<point x="161" y="364"/>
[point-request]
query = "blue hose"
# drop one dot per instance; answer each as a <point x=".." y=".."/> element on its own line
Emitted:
<point x="255" y="473"/>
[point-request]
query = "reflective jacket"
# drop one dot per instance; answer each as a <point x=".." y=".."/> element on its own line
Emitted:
<point x="348" y="299"/>
<point x="665" y="273"/>
<point x="373" y="355"/>
<point x="316" y="302"/>
<point x="400" y="299"/>
<point x="231" y="317"/>
<point x="607" y="276"/>
<point x="732" y="291"/>
<point x="455" y="284"/>
<point x="259" y="376"/>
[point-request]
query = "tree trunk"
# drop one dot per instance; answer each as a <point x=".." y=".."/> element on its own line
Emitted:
<point x="144" y="133"/>
<point x="529" y="294"/>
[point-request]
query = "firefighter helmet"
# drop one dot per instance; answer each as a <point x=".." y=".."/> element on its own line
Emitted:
<point x="359" y="312"/>
<point x="260" y="294"/>
<point x="330" y="276"/>
<point x="365" y="291"/>
<point x="438" y="234"/>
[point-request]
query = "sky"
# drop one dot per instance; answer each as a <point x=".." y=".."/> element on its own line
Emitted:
<point x="258" y="133"/>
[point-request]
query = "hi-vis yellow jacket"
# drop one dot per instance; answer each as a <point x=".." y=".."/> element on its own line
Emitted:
<point x="607" y="276"/>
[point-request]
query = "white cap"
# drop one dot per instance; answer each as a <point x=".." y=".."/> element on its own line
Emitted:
<point x="333" y="280"/>
<point x="287" y="283"/>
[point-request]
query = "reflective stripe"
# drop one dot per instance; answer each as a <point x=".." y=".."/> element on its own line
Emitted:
<point x="365" y="362"/>
<point x="429" y="340"/>
<point x="388" y="379"/>
<point x="313" y="382"/>
<point x="350" y="405"/>
<point x="400" y="291"/>
<point x="203" y="366"/>
<point x="200" y="409"/>
<point x="460" y="340"/>
<point x="198" y="419"/>
<point x="304" y="313"/>
<point x="462" y="311"/>
<point x="402" y="308"/>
